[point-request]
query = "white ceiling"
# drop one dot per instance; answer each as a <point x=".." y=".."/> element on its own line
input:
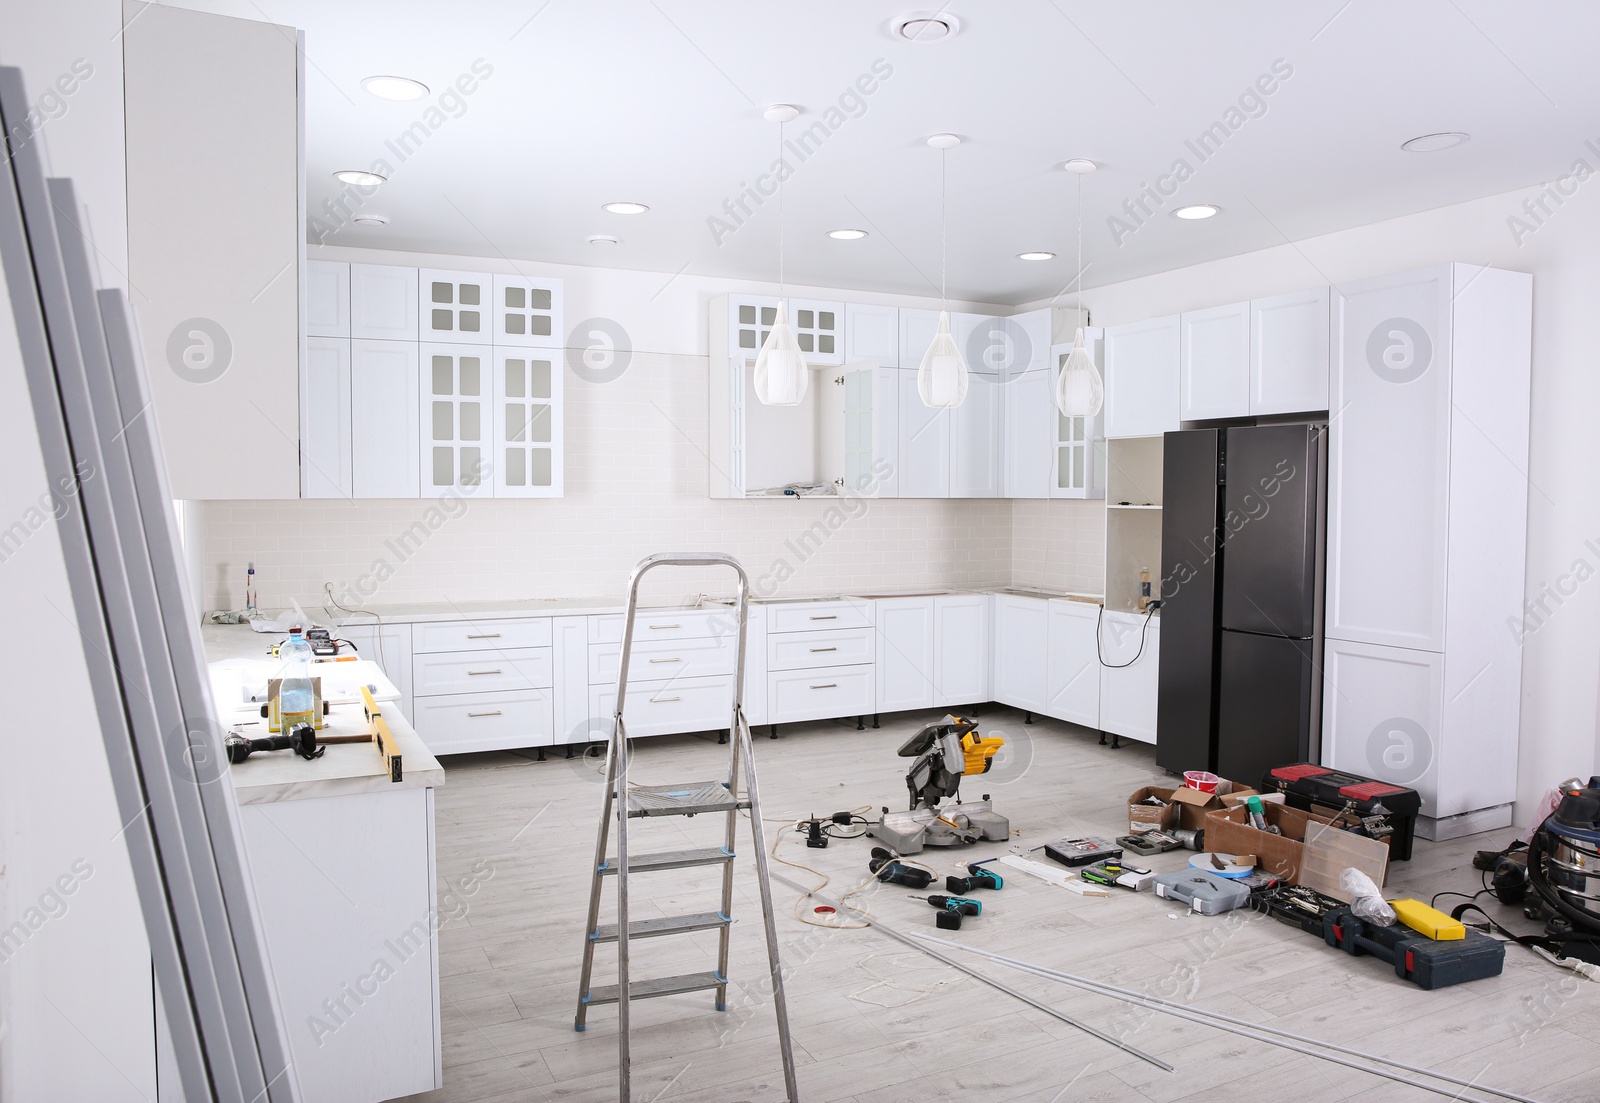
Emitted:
<point x="660" y="101"/>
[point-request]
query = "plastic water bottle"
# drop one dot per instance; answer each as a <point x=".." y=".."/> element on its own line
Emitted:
<point x="296" y="702"/>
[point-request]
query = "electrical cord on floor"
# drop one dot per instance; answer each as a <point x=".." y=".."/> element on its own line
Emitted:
<point x="812" y="918"/>
<point x="1144" y="630"/>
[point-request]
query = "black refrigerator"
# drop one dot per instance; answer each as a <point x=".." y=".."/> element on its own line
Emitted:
<point x="1242" y="567"/>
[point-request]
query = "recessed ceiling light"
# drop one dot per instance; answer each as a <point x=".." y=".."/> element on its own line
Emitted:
<point x="847" y="235"/>
<point x="1432" y="143"/>
<point x="1036" y="254"/>
<point x="625" y="208"/>
<point x="944" y="141"/>
<point x="359" y="177"/>
<point x="925" y="27"/>
<point x="395" y="88"/>
<point x="1080" y="165"/>
<point x="1197" y="210"/>
<point x="370" y="220"/>
<point x="603" y="239"/>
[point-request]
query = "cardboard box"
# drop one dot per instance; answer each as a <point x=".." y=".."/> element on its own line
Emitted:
<point x="1185" y="808"/>
<point x="1228" y="831"/>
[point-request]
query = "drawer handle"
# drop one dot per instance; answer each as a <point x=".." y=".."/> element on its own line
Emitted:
<point x="496" y="712"/>
<point x="475" y="673"/>
<point x="663" y="627"/>
<point x="827" y="685"/>
<point x="666" y="660"/>
<point x="814" y="650"/>
<point x="664" y="700"/>
<point x="830" y="616"/>
<point x="483" y="635"/>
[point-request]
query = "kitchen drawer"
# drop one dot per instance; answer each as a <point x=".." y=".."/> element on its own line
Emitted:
<point x="803" y="650"/>
<point x="462" y="722"/>
<point x="667" y="624"/>
<point x="655" y="659"/>
<point x="820" y="694"/>
<point x="668" y="707"/>
<point x="815" y="616"/>
<point x="482" y="671"/>
<point x="457" y="635"/>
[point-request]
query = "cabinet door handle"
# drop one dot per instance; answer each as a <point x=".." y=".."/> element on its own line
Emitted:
<point x="663" y="627"/>
<point x="827" y="685"/>
<point x="830" y="616"/>
<point x="483" y="635"/>
<point x="814" y="650"/>
<point x="496" y="712"/>
<point x="475" y="673"/>
<point x="664" y="700"/>
<point x="666" y="660"/>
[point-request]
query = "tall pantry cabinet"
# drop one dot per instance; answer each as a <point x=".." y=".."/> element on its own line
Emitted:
<point x="1427" y="523"/>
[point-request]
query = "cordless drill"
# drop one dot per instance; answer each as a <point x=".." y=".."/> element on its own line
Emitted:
<point x="977" y="877"/>
<point x="301" y="739"/>
<point x="891" y="871"/>
<point x="951" y="909"/>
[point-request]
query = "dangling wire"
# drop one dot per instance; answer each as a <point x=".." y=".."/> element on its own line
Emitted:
<point x="944" y="229"/>
<point x="1080" y="248"/>
<point x="781" y="175"/>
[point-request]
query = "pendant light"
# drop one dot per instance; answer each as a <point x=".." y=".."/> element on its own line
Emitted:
<point x="1080" y="392"/>
<point x="781" y="376"/>
<point x="942" y="375"/>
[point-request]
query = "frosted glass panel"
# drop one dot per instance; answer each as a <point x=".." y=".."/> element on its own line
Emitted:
<point x="471" y="421"/>
<point x="539" y="467"/>
<point x="471" y="461"/>
<point x="516" y="423"/>
<point x="443" y="375"/>
<point x="539" y="425"/>
<point x="470" y="375"/>
<point x="444" y="427"/>
<point x="441" y="293"/>
<point x="514" y="297"/>
<point x="516" y="378"/>
<point x="539" y="325"/>
<point x="469" y="294"/>
<point x="469" y="321"/>
<point x="539" y="298"/>
<point x="539" y="371"/>
<point x="441" y="320"/>
<point x="516" y="467"/>
<point x="444" y="469"/>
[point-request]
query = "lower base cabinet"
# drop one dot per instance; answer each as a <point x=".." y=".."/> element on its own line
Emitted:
<point x="1131" y="646"/>
<point x="820" y="693"/>
<point x="669" y="706"/>
<point x="1073" y="684"/>
<point x="1381" y="716"/>
<point x="456" y="723"/>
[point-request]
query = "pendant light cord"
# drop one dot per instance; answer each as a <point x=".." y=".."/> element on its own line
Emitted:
<point x="1080" y="250"/>
<point x="781" y="174"/>
<point x="944" y="230"/>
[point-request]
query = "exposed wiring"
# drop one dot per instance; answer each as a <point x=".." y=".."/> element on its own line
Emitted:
<point x="327" y="588"/>
<point x="1144" y="629"/>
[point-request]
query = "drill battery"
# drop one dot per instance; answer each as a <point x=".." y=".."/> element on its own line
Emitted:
<point x="1375" y="808"/>
<point x="1416" y="957"/>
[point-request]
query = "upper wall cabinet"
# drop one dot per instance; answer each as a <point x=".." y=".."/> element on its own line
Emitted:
<point x="384" y="452"/>
<point x="454" y="306"/>
<point x="527" y="426"/>
<point x="527" y="311"/>
<point x="455" y="418"/>
<point x="819" y="330"/>
<point x="872" y="335"/>
<point x="1214" y="362"/>
<point x="327" y="298"/>
<point x="1142" y="378"/>
<point x="383" y="302"/>
<point x="1289" y="352"/>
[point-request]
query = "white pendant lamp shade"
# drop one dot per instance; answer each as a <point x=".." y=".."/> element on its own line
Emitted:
<point x="781" y="372"/>
<point x="1080" y="392"/>
<point x="942" y="375"/>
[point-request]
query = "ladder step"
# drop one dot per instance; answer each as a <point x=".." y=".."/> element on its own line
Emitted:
<point x="662" y="986"/>
<point x="670" y="859"/>
<point x="687" y="799"/>
<point x="670" y="924"/>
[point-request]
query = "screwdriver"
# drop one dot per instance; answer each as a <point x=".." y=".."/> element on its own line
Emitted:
<point x="977" y="878"/>
<point x="951" y="909"/>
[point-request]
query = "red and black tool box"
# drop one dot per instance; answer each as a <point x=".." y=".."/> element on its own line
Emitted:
<point x="1416" y="957"/>
<point x="1304" y="785"/>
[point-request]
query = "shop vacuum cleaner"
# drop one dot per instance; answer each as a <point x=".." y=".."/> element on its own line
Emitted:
<point x="1556" y="877"/>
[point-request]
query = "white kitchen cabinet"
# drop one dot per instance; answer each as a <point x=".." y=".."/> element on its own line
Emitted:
<point x="1003" y="346"/>
<point x="528" y="423"/>
<point x="527" y="310"/>
<point x="385" y="452"/>
<point x="1128" y="680"/>
<point x="463" y="723"/>
<point x="924" y="444"/>
<point x="872" y="431"/>
<point x="819" y="330"/>
<point x="917" y="328"/>
<point x="325" y="419"/>
<point x="484" y="685"/>
<point x="1072" y="684"/>
<point x="1141" y="378"/>
<point x="570" y="651"/>
<point x="454" y="306"/>
<point x="1214" y="362"/>
<point x="383" y="302"/>
<point x="746" y="321"/>
<point x="1029" y="435"/>
<point x="655" y="660"/>
<point x="1289" y="352"/>
<point x="820" y="694"/>
<point x="668" y="707"/>
<point x="327" y="298"/>
<point x="872" y="335"/>
<point x="1383" y="715"/>
<point x="388" y="645"/>
<point x="455" y="408"/>
<point x="1019" y="657"/>
<point x="976" y="436"/>
<point x="801" y="650"/>
<point x="514" y="668"/>
<point x="961" y="648"/>
<point x="906" y="653"/>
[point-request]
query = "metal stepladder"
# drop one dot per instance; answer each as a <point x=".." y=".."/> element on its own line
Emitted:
<point x="687" y="799"/>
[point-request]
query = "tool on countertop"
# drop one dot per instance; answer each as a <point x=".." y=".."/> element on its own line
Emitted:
<point x="1081" y="851"/>
<point x="944" y="751"/>
<point x="1147" y="843"/>
<point x="1116" y="872"/>
<point x="952" y="909"/>
<point x="1376" y="809"/>
<point x="977" y="878"/>
<point x="382" y="737"/>
<point x="301" y="739"/>
<point x="891" y="870"/>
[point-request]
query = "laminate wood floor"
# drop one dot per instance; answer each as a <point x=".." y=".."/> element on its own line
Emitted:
<point x="874" y="1022"/>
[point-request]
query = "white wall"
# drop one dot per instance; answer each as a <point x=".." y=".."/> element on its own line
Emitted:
<point x="76" y="994"/>
<point x="1561" y="655"/>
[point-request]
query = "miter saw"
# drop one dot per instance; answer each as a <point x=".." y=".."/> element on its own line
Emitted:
<point x="945" y="752"/>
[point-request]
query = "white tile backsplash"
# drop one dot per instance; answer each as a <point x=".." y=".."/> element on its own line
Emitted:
<point x="636" y="483"/>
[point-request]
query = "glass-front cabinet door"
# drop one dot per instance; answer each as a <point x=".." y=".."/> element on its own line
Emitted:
<point x="527" y="423"/>
<point x="455" y="429"/>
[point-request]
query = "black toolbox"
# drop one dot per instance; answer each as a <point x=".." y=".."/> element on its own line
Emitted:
<point x="1305" y="785"/>
<point x="1416" y="957"/>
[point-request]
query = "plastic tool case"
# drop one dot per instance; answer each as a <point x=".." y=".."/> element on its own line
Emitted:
<point x="1202" y="891"/>
<point x="1415" y="957"/>
<point x="1304" y="785"/>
